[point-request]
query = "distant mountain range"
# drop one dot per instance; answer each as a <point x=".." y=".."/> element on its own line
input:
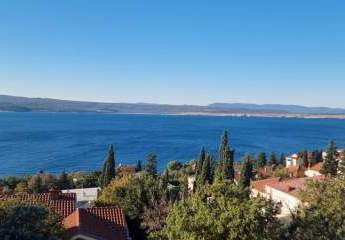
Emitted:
<point x="24" y="104"/>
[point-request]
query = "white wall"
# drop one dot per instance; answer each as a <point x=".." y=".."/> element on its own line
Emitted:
<point x="289" y="202"/>
<point x="311" y="173"/>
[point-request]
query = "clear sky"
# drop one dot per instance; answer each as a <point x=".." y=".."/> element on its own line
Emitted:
<point x="178" y="52"/>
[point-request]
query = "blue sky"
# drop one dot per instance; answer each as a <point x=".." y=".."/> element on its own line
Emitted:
<point x="178" y="52"/>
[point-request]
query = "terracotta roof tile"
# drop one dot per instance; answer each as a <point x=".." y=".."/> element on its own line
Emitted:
<point x="103" y="223"/>
<point x="261" y="184"/>
<point x="291" y="186"/>
<point x="62" y="203"/>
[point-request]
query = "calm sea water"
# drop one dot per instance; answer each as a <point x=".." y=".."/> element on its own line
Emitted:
<point x="30" y="142"/>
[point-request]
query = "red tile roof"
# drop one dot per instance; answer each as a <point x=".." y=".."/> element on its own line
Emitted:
<point x="291" y="186"/>
<point x="104" y="223"/>
<point x="101" y="223"/>
<point x="261" y="184"/>
<point x="62" y="203"/>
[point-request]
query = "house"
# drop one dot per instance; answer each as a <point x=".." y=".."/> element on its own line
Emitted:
<point x="84" y="195"/>
<point x="292" y="160"/>
<point x="282" y="191"/>
<point x="95" y="223"/>
<point x="107" y="223"/>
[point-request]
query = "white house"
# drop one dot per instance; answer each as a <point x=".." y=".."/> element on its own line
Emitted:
<point x="292" y="160"/>
<point x="284" y="192"/>
<point x="84" y="195"/>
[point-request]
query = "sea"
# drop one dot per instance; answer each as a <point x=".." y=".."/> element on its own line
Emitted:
<point x="51" y="142"/>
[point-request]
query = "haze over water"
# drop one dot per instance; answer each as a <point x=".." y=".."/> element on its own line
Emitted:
<point x="30" y="142"/>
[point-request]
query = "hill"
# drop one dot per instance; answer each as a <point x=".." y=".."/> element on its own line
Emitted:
<point x="24" y="104"/>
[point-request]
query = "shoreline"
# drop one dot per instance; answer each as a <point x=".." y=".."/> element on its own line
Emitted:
<point x="206" y="114"/>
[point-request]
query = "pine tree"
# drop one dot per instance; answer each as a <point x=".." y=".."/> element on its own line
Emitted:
<point x="273" y="160"/>
<point x="108" y="172"/>
<point x="330" y="165"/>
<point x="313" y="157"/>
<point x="199" y="165"/>
<point x="305" y="158"/>
<point x="151" y="166"/>
<point x="139" y="167"/>
<point x="319" y="157"/>
<point x="206" y="174"/>
<point x="246" y="172"/>
<point x="225" y="167"/>
<point x="282" y="159"/>
<point x="200" y="162"/>
<point x="63" y="180"/>
<point x="261" y="160"/>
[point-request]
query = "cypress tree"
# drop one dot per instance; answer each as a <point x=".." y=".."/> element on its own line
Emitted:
<point x="261" y="160"/>
<point x="63" y="181"/>
<point x="225" y="167"/>
<point x="319" y="157"/>
<point x="108" y="172"/>
<point x="198" y="167"/>
<point x="282" y="159"/>
<point x="273" y="160"/>
<point x="246" y="172"/>
<point x="313" y="158"/>
<point x="305" y="158"/>
<point x="206" y="174"/>
<point x="200" y="162"/>
<point x="139" y="167"/>
<point x="330" y="165"/>
<point x="151" y="166"/>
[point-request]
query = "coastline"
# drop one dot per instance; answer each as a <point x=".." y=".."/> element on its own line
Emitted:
<point x="207" y="114"/>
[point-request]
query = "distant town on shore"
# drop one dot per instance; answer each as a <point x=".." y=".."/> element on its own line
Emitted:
<point x="24" y="104"/>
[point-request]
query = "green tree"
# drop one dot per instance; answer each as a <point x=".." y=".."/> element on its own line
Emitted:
<point x="139" y="167"/>
<point x="282" y="159"/>
<point x="138" y="197"/>
<point x="221" y="212"/>
<point x="151" y="166"/>
<point x="198" y="167"/>
<point x="63" y="181"/>
<point x="27" y="222"/>
<point x="206" y="174"/>
<point x="246" y="172"/>
<point x="261" y="160"/>
<point x="200" y="162"/>
<point x="313" y="157"/>
<point x="35" y="184"/>
<point x="108" y="172"/>
<point x="174" y="166"/>
<point x="305" y="158"/>
<point x="323" y="216"/>
<point x="91" y="180"/>
<point x="273" y="160"/>
<point x="225" y="166"/>
<point x="330" y="165"/>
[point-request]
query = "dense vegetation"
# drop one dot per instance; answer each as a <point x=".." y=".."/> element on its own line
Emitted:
<point x="207" y="198"/>
<point x="27" y="222"/>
